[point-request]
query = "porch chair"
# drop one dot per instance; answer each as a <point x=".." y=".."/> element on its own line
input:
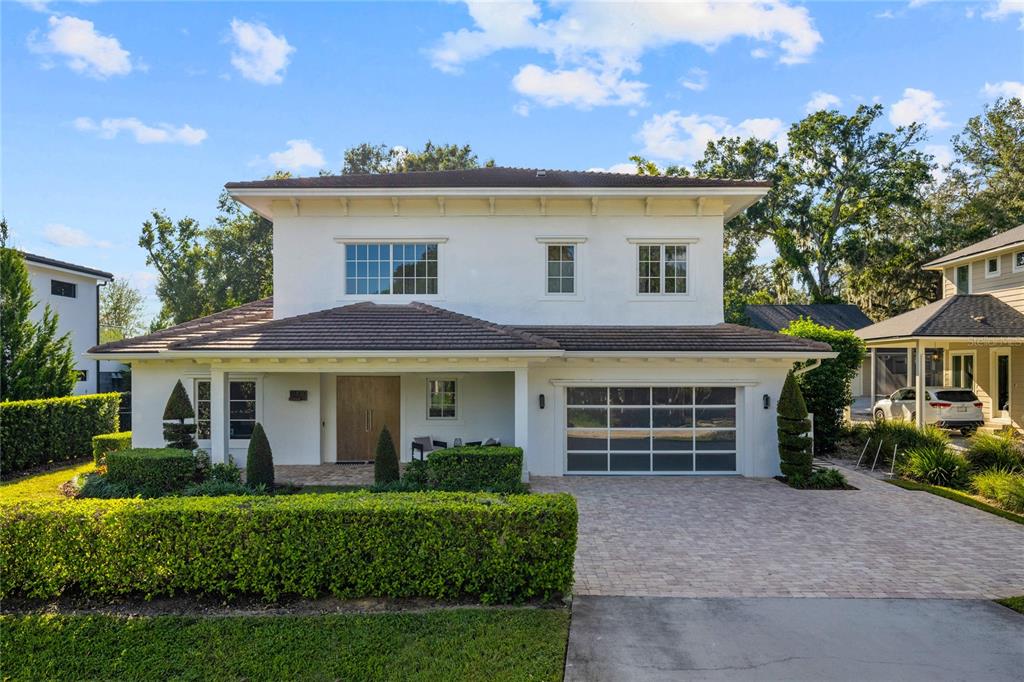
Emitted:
<point x="425" y="445"/>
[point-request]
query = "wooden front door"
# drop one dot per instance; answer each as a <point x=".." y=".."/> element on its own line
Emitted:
<point x="365" y="406"/>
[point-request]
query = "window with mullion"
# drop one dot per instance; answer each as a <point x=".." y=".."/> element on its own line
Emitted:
<point x="561" y="269"/>
<point x="386" y="269"/>
<point x="662" y="269"/>
<point x="441" y="399"/>
<point x="202" y="402"/>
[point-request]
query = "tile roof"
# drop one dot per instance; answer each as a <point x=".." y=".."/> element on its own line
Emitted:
<point x="775" y="317"/>
<point x="493" y="177"/>
<point x="53" y="262"/>
<point x="1014" y="235"/>
<point x="420" y="327"/>
<point x="963" y="315"/>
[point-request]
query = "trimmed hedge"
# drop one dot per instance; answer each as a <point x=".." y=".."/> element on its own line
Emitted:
<point x="476" y="468"/>
<point x="109" y="442"/>
<point x="34" y="432"/>
<point x="498" y="549"/>
<point x="151" y="471"/>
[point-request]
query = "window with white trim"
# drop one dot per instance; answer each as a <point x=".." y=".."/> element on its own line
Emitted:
<point x="992" y="267"/>
<point x="391" y="269"/>
<point x="662" y="269"/>
<point x="442" y="398"/>
<point x="1018" y="261"/>
<point x="963" y="279"/>
<point x="241" y="409"/>
<point x="66" y="289"/>
<point x="561" y="269"/>
<point x="202" y="402"/>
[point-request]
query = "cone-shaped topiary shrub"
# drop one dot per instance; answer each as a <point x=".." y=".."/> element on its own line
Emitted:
<point x="385" y="463"/>
<point x="177" y="433"/>
<point x="259" y="465"/>
<point x="794" y="445"/>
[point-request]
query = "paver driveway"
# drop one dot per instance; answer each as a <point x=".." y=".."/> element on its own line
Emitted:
<point x="743" y="537"/>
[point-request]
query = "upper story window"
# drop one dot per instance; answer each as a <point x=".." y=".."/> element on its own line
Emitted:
<point x="561" y="270"/>
<point x="59" y="288"/>
<point x="993" y="267"/>
<point x="384" y="268"/>
<point x="1018" y="261"/>
<point x="662" y="269"/>
<point x="963" y="279"/>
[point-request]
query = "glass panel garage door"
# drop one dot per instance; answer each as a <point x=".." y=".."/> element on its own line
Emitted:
<point x="660" y="429"/>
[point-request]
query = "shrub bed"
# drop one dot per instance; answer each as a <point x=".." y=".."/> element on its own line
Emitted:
<point x="494" y="469"/>
<point x="34" y="432"/>
<point x="999" y="450"/>
<point x="151" y="471"/>
<point x="109" y="442"/>
<point x="1004" y="487"/>
<point x="937" y="465"/>
<point x="903" y="436"/>
<point x="435" y="545"/>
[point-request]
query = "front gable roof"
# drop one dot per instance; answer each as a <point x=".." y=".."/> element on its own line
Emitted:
<point x="963" y="315"/>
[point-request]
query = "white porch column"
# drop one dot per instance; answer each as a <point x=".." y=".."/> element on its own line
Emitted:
<point x="874" y="379"/>
<point x="522" y="414"/>
<point x="910" y="367"/>
<point x="920" y="402"/>
<point x="218" y="414"/>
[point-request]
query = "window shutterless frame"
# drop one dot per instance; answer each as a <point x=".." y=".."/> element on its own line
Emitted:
<point x="663" y="268"/>
<point x="391" y="268"/>
<point x="201" y="403"/>
<point x="993" y="267"/>
<point x="442" y="399"/>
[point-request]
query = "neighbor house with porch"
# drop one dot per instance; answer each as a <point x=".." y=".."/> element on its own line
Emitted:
<point x="577" y="315"/>
<point x="970" y="338"/>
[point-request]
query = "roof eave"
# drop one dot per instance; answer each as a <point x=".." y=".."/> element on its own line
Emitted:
<point x="940" y="264"/>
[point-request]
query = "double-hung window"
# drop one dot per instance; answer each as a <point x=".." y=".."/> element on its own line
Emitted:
<point x="241" y="409"/>
<point x="442" y="396"/>
<point x="561" y="269"/>
<point x="662" y="269"/>
<point x="391" y="268"/>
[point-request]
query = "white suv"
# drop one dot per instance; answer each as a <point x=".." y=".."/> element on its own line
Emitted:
<point x="947" y="407"/>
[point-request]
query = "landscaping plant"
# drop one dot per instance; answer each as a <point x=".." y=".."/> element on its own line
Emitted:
<point x="108" y="442"/>
<point x="151" y="472"/>
<point x="826" y="388"/>
<point x="999" y="450"/>
<point x="477" y="468"/>
<point x="385" y="462"/>
<point x="177" y="433"/>
<point x="937" y="465"/>
<point x="827" y="479"/>
<point x="794" y="445"/>
<point x="1004" y="487"/>
<point x="901" y="437"/>
<point x="259" y="463"/>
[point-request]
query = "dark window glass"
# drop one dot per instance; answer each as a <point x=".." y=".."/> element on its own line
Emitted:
<point x="587" y="396"/>
<point x="630" y="396"/>
<point x="673" y="461"/>
<point x="241" y="409"/>
<point x="716" y="440"/>
<point x="203" y="410"/>
<point x="442" y="397"/>
<point x="716" y="462"/>
<point x="958" y="396"/>
<point x="711" y="395"/>
<point x="59" y="288"/>
<point x="673" y="440"/>
<point x="630" y="462"/>
<point x="590" y="418"/>
<point x="635" y="418"/>
<point x="82" y="375"/>
<point x="580" y="439"/>
<point x="630" y="440"/>
<point x="673" y="396"/>
<point x="673" y="417"/>
<point x="585" y="461"/>
<point x="716" y="417"/>
<point x="391" y="269"/>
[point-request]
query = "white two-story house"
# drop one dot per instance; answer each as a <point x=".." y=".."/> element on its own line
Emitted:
<point x="73" y="293"/>
<point x="577" y="315"/>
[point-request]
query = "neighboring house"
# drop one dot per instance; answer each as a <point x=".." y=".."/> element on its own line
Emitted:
<point x="73" y="292"/>
<point x="577" y="315"/>
<point x="971" y="337"/>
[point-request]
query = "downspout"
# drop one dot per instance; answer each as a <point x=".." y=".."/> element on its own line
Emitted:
<point x="813" y="364"/>
<point x="102" y="283"/>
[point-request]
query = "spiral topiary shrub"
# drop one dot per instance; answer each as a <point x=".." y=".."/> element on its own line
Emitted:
<point x="795" y="454"/>
<point x="177" y="433"/>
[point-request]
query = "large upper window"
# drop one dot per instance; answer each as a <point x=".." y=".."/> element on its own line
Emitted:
<point x="391" y="268"/>
<point x="561" y="269"/>
<point x="662" y="269"/>
<point x="241" y="409"/>
<point x="59" y="288"/>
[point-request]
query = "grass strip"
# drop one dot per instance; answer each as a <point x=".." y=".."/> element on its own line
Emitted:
<point x="1015" y="603"/>
<point x="42" y="487"/>
<point x="957" y="496"/>
<point x="448" y="644"/>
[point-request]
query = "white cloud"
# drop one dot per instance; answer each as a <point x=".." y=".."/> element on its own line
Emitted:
<point x="696" y="79"/>
<point x="918" y="106"/>
<point x="85" y="50"/>
<point x="822" y="100"/>
<point x="522" y="108"/>
<point x="886" y="14"/>
<point x="760" y="53"/>
<point x="161" y="133"/>
<point x="260" y="55"/>
<point x="675" y="137"/>
<point x="600" y="42"/>
<point x="1003" y="89"/>
<point x="1006" y="8"/>
<point x="580" y="87"/>
<point x="943" y="157"/>
<point x="299" y="154"/>
<point x="629" y="168"/>
<point x="62" y="235"/>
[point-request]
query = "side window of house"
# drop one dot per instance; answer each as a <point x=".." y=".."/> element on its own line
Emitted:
<point x="992" y="267"/>
<point x="561" y="269"/>
<point x="67" y="289"/>
<point x="241" y="409"/>
<point x="386" y="269"/>
<point x="441" y="399"/>
<point x="963" y="279"/>
<point x="1018" y="261"/>
<point x="662" y="269"/>
<point x="203" y="409"/>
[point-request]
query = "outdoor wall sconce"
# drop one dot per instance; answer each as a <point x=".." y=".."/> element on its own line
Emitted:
<point x="541" y="401"/>
<point x="298" y="396"/>
<point x="767" y="401"/>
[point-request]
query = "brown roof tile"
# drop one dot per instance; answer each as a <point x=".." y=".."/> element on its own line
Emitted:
<point x="679" y="339"/>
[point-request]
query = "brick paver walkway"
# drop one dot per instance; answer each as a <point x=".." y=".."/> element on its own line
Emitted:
<point x="744" y="537"/>
<point x="324" y="474"/>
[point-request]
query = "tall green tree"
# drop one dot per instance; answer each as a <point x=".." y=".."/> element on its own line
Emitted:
<point x="177" y="251"/>
<point x="367" y="158"/>
<point x="120" y="311"/>
<point x="35" y="361"/>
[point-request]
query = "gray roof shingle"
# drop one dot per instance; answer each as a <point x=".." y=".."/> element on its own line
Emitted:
<point x="493" y="177"/>
<point x="1015" y="235"/>
<point x="963" y="315"/>
<point x="46" y="260"/>
<point x="842" y="316"/>
<point x="421" y="327"/>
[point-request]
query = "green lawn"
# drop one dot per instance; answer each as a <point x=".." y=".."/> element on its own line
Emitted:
<point x="447" y="644"/>
<point x="42" y="486"/>
<point x="1015" y="603"/>
<point x="957" y="496"/>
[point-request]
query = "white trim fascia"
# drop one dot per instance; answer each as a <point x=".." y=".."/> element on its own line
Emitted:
<point x="710" y="355"/>
<point x="391" y="240"/>
<point x="976" y="340"/>
<point x="663" y="240"/>
<point x="1000" y="250"/>
<point x="56" y="268"/>
<point x="341" y="355"/>
<point x="505" y="192"/>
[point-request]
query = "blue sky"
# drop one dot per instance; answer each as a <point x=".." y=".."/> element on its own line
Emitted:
<point x="112" y="109"/>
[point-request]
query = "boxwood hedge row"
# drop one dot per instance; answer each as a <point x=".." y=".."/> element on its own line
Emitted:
<point x="497" y="549"/>
<point x="109" y="442"/>
<point x="495" y="469"/>
<point x="34" y="432"/>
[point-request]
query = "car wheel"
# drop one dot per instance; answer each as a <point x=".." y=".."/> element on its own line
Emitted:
<point x="968" y="430"/>
<point x="879" y="415"/>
